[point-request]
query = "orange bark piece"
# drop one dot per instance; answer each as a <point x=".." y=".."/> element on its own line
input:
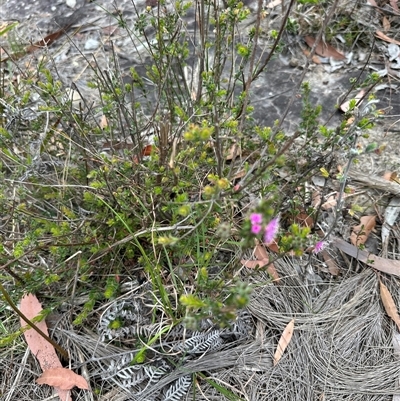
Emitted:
<point x="376" y="262"/>
<point x="62" y="378"/>
<point x="42" y="349"/>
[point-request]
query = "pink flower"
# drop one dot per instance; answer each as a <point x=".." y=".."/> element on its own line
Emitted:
<point x="271" y="230"/>
<point x="256" y="221"/>
<point x="256" y="218"/>
<point x="319" y="246"/>
<point x="255" y="229"/>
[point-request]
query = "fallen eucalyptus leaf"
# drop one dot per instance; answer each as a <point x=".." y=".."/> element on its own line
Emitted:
<point x="361" y="232"/>
<point x="284" y="341"/>
<point x="324" y="49"/>
<point x="62" y="378"/>
<point x="388" y="303"/>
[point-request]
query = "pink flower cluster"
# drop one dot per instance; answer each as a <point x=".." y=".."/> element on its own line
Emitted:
<point x="271" y="229"/>
<point x="256" y="221"/>
<point x="319" y="246"/>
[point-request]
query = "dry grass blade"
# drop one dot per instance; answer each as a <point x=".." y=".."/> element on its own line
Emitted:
<point x="388" y="303"/>
<point x="284" y="341"/>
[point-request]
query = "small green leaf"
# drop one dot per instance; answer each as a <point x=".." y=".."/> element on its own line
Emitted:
<point x="324" y="172"/>
<point x="191" y="301"/>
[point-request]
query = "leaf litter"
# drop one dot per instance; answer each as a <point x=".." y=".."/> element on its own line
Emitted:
<point x="53" y="373"/>
<point x="324" y="49"/>
<point x="262" y="259"/>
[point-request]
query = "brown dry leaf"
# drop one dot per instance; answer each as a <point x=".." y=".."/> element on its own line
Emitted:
<point x="324" y="50"/>
<point x="42" y="349"/>
<point x="346" y="105"/>
<point x="304" y="219"/>
<point x="373" y="3"/>
<point x="315" y="59"/>
<point x="382" y="36"/>
<point x="63" y="379"/>
<point x="388" y="303"/>
<point x="273" y="246"/>
<point x="387" y="175"/>
<point x="330" y="203"/>
<point x="384" y="265"/>
<point x="148" y="149"/>
<point x="333" y="268"/>
<point x="361" y="232"/>
<point x="350" y="121"/>
<point x="103" y="122"/>
<point x="262" y="260"/>
<point x="391" y="176"/>
<point x="234" y="152"/>
<point x="332" y="200"/>
<point x="284" y="341"/>
<point x="385" y="24"/>
<point x="239" y="174"/>
<point x="394" y="5"/>
<point x="51" y="38"/>
<point x="46" y="41"/>
<point x="316" y="199"/>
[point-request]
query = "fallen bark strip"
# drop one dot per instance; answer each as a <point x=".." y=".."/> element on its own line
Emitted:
<point x="388" y="266"/>
<point x="375" y="182"/>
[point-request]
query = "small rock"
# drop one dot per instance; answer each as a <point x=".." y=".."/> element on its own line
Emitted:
<point x="70" y="3"/>
<point x="362" y="56"/>
<point x="92" y="44"/>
